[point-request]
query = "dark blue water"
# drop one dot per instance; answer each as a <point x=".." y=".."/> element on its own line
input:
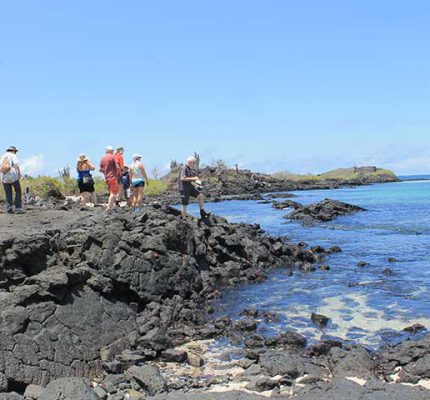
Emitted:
<point x="364" y="305"/>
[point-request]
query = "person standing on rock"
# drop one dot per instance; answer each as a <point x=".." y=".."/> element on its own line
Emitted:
<point x="111" y="170"/>
<point x="85" y="180"/>
<point x="139" y="179"/>
<point x="10" y="176"/>
<point x="119" y="158"/>
<point x="190" y="186"/>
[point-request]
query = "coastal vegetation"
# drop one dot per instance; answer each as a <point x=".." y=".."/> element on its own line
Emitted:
<point x="218" y="178"/>
<point x="341" y="174"/>
<point x="58" y="187"/>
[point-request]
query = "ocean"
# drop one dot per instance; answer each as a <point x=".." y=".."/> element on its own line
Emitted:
<point x="364" y="305"/>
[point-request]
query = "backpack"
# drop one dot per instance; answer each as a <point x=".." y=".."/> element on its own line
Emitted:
<point x="5" y="165"/>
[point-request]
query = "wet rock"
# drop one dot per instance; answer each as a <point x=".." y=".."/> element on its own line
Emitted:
<point x="245" y="325"/>
<point x="148" y="378"/>
<point x="320" y="320"/>
<point x="325" y="267"/>
<point x="415" y="328"/>
<point x="287" y="339"/>
<point x="325" y="210"/>
<point x="254" y="342"/>
<point x="392" y="260"/>
<point x="388" y="272"/>
<point x="335" y="249"/>
<point x="363" y="264"/>
<point x="323" y="347"/>
<point x="286" y="204"/>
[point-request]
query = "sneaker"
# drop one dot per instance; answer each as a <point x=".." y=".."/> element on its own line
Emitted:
<point x="19" y="211"/>
<point x="10" y="212"/>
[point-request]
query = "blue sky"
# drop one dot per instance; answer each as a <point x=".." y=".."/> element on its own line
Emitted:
<point x="273" y="85"/>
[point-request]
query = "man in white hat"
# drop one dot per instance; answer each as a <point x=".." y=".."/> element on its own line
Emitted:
<point x="10" y="176"/>
<point x="191" y="186"/>
<point x="112" y="171"/>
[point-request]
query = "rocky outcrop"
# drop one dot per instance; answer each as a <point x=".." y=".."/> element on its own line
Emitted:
<point x="325" y="210"/>
<point x="75" y="301"/>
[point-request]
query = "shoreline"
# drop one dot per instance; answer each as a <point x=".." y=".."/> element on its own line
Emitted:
<point x="285" y="346"/>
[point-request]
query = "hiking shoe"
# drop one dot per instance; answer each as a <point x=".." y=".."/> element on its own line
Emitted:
<point x="19" y="211"/>
<point x="10" y="212"/>
<point x="204" y="214"/>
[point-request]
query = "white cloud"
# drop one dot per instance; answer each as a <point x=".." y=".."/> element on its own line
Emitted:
<point x="33" y="165"/>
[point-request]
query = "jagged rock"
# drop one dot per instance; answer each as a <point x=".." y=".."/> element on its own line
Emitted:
<point x="34" y="392"/>
<point x="287" y="339"/>
<point x="148" y="378"/>
<point x="325" y="210"/>
<point x="262" y="384"/>
<point x="11" y="396"/>
<point x="415" y="328"/>
<point x="175" y="356"/>
<point x="3" y="383"/>
<point x="320" y="320"/>
<point x="70" y="389"/>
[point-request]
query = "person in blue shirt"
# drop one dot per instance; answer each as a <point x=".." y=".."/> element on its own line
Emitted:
<point x="85" y="180"/>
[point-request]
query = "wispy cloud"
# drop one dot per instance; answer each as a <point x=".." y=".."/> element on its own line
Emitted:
<point x="33" y="165"/>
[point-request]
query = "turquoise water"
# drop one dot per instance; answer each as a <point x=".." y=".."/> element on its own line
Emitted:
<point x="364" y="305"/>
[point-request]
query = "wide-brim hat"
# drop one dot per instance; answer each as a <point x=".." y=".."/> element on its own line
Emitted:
<point x="11" y="148"/>
<point x="137" y="156"/>
<point x="83" y="157"/>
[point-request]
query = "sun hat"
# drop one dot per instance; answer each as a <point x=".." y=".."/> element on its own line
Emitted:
<point x="136" y="156"/>
<point x="109" y="148"/>
<point x="11" y="148"/>
<point x="120" y="148"/>
<point x="82" y="157"/>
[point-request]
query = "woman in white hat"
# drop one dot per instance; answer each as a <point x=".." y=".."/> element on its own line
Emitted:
<point x="85" y="180"/>
<point x="139" y="179"/>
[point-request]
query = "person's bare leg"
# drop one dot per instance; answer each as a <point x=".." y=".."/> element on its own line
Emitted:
<point x="111" y="202"/>
<point x="94" y="198"/>
<point x="134" y="197"/>
<point x="201" y="199"/>
<point x="120" y="193"/>
<point x="141" y="194"/>
<point x="184" y="212"/>
<point x="83" y="200"/>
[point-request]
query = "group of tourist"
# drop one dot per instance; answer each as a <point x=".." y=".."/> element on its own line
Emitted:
<point x="125" y="182"/>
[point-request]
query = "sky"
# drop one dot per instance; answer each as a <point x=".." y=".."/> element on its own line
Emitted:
<point x="274" y="85"/>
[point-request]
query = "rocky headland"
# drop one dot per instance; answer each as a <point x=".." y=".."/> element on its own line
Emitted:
<point x="220" y="181"/>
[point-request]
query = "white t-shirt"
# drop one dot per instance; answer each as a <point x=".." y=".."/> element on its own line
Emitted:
<point x="13" y="175"/>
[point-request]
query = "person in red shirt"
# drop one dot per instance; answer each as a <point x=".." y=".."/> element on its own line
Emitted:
<point x="119" y="158"/>
<point x="112" y="171"/>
